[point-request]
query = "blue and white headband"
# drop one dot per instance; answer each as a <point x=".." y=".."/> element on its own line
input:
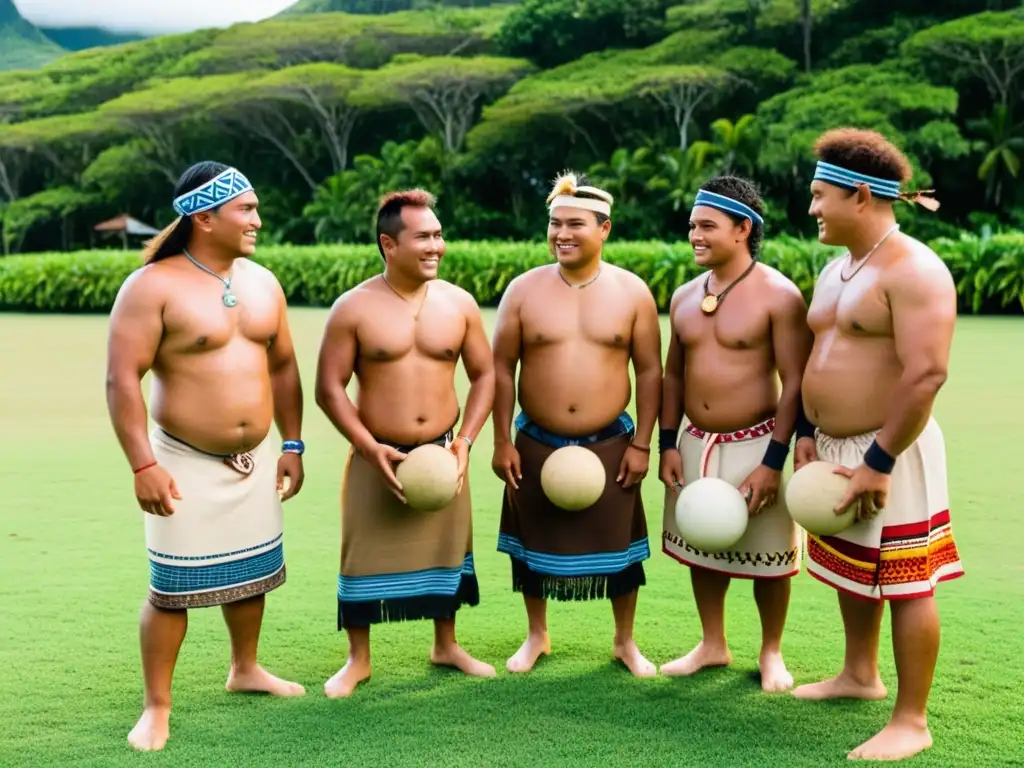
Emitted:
<point x="728" y="205"/>
<point x="843" y="177"/>
<point x="226" y="186"/>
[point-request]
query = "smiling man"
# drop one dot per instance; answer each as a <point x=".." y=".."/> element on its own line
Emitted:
<point x="402" y="334"/>
<point x="736" y="331"/>
<point x="883" y="316"/>
<point x="574" y="326"/>
<point x="211" y="327"/>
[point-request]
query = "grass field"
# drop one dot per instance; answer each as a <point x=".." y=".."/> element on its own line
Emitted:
<point x="73" y="574"/>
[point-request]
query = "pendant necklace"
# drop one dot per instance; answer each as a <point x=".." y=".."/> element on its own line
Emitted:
<point x="416" y="314"/>
<point x="711" y="300"/>
<point x="228" y="298"/>
<point x="867" y="256"/>
<point x="582" y="285"/>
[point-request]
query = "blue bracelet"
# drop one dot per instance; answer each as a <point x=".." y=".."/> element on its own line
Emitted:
<point x="878" y="459"/>
<point x="667" y="439"/>
<point x="775" y="455"/>
<point x="293" y="446"/>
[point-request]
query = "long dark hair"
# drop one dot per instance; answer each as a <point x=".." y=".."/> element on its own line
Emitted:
<point x="175" y="236"/>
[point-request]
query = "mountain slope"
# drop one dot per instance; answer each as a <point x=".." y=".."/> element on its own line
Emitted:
<point x="375" y="6"/>
<point x="22" y="46"/>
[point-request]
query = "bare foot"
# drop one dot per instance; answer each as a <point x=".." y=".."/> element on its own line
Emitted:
<point x="152" y="731"/>
<point x="454" y="656"/>
<point x="843" y="686"/>
<point x="532" y="648"/>
<point x="775" y="678"/>
<point x="701" y="656"/>
<point x="258" y="680"/>
<point x="897" y="741"/>
<point x="635" y="662"/>
<point x="347" y="678"/>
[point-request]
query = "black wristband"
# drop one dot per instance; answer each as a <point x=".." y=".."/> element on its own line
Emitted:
<point x="804" y="428"/>
<point x="880" y="461"/>
<point x="775" y="456"/>
<point x="667" y="439"/>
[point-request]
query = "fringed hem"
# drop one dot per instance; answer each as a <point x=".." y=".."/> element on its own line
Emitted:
<point x="588" y="587"/>
<point x="365" y="613"/>
<point x="220" y="596"/>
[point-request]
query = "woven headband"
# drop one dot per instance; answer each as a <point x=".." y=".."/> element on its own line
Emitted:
<point x="728" y="205"/>
<point x="887" y="189"/>
<point x="226" y="186"/>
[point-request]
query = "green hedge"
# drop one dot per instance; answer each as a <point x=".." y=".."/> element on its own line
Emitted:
<point x="989" y="271"/>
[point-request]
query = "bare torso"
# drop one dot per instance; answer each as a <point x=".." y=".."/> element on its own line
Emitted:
<point x="405" y="368"/>
<point x="211" y="381"/>
<point x="574" y="365"/>
<point x="854" y="369"/>
<point x="729" y="374"/>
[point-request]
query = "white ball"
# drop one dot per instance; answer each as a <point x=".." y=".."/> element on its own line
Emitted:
<point x="573" y="478"/>
<point x="812" y="494"/>
<point x="429" y="475"/>
<point x="711" y="514"/>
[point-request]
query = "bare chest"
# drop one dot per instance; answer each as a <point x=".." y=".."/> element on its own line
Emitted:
<point x="198" y="319"/>
<point x="559" y="317"/>
<point x="854" y="307"/>
<point x="436" y="335"/>
<point x="742" y="321"/>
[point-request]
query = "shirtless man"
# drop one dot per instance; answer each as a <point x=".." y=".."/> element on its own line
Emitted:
<point x="883" y="318"/>
<point x="402" y="334"/>
<point x="735" y="331"/>
<point x="211" y="326"/>
<point x="575" y="326"/>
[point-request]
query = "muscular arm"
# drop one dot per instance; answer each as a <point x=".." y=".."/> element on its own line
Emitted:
<point x="792" y="340"/>
<point x="133" y="338"/>
<point x="505" y="348"/>
<point x="646" y="354"/>
<point x="672" y="384"/>
<point x="284" y="376"/>
<point x="923" y="306"/>
<point x="479" y="364"/>
<point x="335" y="366"/>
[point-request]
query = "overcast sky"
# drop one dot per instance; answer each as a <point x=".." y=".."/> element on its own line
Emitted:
<point x="150" y="16"/>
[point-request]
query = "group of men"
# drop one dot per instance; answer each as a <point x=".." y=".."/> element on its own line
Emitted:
<point x="859" y="371"/>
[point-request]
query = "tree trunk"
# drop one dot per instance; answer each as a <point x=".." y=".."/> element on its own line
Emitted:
<point x="806" y="19"/>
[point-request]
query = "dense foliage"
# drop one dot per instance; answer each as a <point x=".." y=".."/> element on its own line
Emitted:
<point x="989" y="270"/>
<point x="483" y="105"/>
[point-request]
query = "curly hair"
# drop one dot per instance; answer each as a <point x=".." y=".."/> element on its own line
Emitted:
<point x="863" y="151"/>
<point x="746" y="192"/>
<point x="389" y="211"/>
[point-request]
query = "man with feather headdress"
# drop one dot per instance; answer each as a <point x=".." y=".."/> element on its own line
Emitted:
<point x="574" y="327"/>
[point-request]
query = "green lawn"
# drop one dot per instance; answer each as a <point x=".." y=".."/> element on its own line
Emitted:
<point x="73" y="574"/>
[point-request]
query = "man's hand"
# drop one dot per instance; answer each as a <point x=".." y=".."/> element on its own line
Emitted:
<point x="383" y="457"/>
<point x="870" y="489"/>
<point x="761" y="488"/>
<point x="461" y="450"/>
<point x="634" y="466"/>
<point x="154" y="489"/>
<point x="806" y="452"/>
<point x="670" y="469"/>
<point x="290" y="466"/>
<point x="506" y="465"/>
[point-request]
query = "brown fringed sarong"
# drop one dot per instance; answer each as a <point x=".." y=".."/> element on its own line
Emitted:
<point x="590" y="554"/>
<point x="397" y="563"/>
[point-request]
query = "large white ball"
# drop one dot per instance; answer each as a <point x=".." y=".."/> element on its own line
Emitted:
<point x="812" y="494"/>
<point x="573" y="478"/>
<point x="711" y="514"/>
<point x="429" y="475"/>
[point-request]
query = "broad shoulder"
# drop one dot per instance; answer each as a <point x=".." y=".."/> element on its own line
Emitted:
<point x="520" y="285"/>
<point x="147" y="284"/>
<point x="916" y="272"/>
<point x="356" y="301"/>
<point x="630" y="281"/>
<point x="784" y="293"/>
<point x="685" y="290"/>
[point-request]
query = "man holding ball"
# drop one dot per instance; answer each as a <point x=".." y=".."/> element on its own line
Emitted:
<point x="401" y="334"/>
<point x="734" y="331"/>
<point x="883" y="317"/>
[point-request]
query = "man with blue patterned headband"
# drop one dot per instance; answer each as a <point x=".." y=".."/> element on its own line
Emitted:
<point x="736" y="331"/>
<point x="211" y="327"/>
<point x="882" y="315"/>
